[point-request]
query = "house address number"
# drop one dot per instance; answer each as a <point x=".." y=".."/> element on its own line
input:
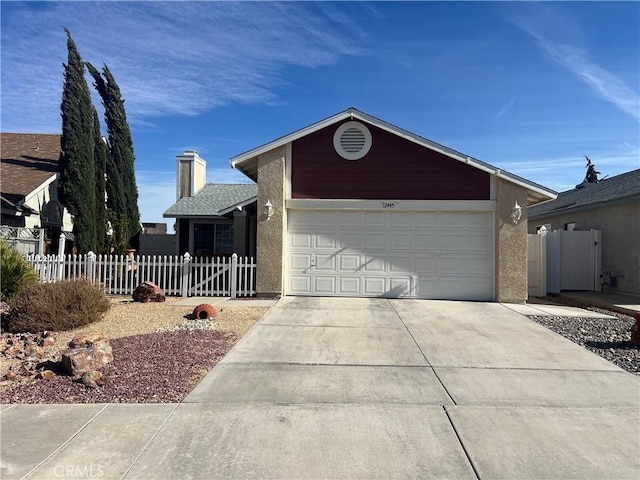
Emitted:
<point x="388" y="205"/>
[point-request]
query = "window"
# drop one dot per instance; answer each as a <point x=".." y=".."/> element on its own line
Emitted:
<point x="570" y="227"/>
<point x="212" y="239"/>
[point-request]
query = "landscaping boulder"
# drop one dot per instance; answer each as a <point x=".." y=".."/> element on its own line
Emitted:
<point x="148" y="292"/>
<point x="87" y="351"/>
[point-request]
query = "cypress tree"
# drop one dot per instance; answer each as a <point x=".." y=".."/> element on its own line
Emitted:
<point x="120" y="149"/>
<point x="76" y="182"/>
<point x="100" y="155"/>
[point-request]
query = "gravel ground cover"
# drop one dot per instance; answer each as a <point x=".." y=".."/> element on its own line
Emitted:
<point x="609" y="338"/>
<point x="160" y="354"/>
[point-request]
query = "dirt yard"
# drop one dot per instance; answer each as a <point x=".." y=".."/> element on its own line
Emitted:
<point x="160" y="354"/>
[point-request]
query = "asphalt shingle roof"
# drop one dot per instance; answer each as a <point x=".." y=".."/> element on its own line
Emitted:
<point x="214" y="199"/>
<point x="28" y="160"/>
<point x="609" y="189"/>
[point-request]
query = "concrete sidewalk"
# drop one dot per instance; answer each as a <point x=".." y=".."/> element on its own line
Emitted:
<point x="359" y="388"/>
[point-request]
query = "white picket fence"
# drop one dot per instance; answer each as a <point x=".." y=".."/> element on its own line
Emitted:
<point x="176" y="275"/>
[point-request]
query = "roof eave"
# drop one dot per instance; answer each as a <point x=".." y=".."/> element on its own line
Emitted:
<point x="44" y="184"/>
<point x="238" y="205"/>
<point x="587" y="206"/>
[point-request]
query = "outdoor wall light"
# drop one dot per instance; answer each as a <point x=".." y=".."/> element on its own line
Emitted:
<point x="268" y="209"/>
<point x="516" y="213"/>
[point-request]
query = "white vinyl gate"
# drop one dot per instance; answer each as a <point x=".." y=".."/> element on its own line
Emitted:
<point x="537" y="265"/>
<point x="572" y="260"/>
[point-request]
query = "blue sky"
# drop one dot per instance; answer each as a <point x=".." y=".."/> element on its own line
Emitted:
<point x="528" y="87"/>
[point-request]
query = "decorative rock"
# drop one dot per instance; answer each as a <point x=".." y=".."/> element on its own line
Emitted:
<point x="88" y="351"/>
<point x="46" y="375"/>
<point x="204" y="311"/>
<point x="87" y="339"/>
<point x="91" y="378"/>
<point x="148" y="292"/>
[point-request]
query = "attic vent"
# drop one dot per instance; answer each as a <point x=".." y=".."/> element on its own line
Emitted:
<point x="352" y="140"/>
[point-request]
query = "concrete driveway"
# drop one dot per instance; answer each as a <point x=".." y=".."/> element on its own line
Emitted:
<point x="360" y="388"/>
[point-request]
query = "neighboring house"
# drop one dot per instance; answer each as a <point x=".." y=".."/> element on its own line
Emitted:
<point x="612" y="206"/>
<point x="154" y="240"/>
<point x="212" y="219"/>
<point x="354" y="206"/>
<point x="29" y="176"/>
<point x="154" y="228"/>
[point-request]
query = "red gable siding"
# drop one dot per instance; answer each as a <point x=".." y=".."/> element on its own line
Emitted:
<point x="394" y="168"/>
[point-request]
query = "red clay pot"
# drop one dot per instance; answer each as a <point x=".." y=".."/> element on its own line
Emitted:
<point x="204" y="311"/>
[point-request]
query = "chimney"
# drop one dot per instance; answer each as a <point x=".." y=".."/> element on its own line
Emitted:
<point x="191" y="174"/>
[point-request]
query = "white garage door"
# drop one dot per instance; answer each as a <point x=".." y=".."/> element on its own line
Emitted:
<point x="437" y="255"/>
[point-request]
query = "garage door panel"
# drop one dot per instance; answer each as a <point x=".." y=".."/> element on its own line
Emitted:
<point x="325" y="262"/>
<point x="451" y="221"/>
<point x="391" y="254"/>
<point x="452" y="242"/>
<point x="350" y="219"/>
<point x="326" y="219"/>
<point x="374" y="264"/>
<point x="299" y="285"/>
<point x="301" y="240"/>
<point x="325" y="285"/>
<point x="375" y="219"/>
<point x="478" y="242"/>
<point x="426" y="265"/>
<point x="400" y="287"/>
<point x="452" y="288"/>
<point x="349" y="263"/>
<point x="481" y="221"/>
<point x="374" y="286"/>
<point x="351" y="240"/>
<point x="300" y="261"/>
<point x="426" y="241"/>
<point x="375" y="241"/>
<point x="350" y="285"/>
<point x="400" y="264"/>
<point x="326" y="241"/>
<point x="401" y="220"/>
<point x="462" y="266"/>
<point x="399" y="242"/>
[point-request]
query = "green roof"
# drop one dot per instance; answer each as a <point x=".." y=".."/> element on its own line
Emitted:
<point x="214" y="200"/>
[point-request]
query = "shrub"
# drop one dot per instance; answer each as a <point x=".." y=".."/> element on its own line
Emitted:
<point x="56" y="306"/>
<point x="15" y="271"/>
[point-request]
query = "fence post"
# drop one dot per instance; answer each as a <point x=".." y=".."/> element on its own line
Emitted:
<point x="41" y="240"/>
<point x="186" y="268"/>
<point x="61" y="243"/>
<point x="90" y="267"/>
<point x="233" y="275"/>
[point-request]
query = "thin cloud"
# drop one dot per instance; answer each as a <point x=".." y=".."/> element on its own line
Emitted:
<point x="576" y="59"/>
<point x="168" y="57"/>
<point x="508" y="106"/>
